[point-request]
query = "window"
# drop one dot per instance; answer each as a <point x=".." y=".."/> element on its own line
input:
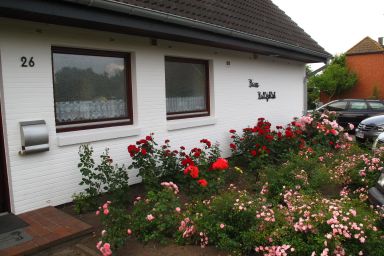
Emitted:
<point x="92" y="88"/>
<point x="376" y="105"/>
<point x="187" y="87"/>
<point x="337" y="106"/>
<point x="358" y="105"/>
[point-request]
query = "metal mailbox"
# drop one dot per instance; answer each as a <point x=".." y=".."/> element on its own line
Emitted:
<point x="34" y="137"/>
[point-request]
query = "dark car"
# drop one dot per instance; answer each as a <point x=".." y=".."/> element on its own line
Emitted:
<point x="353" y="110"/>
<point x="370" y="128"/>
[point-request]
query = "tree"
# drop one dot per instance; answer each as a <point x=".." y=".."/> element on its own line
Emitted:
<point x="335" y="79"/>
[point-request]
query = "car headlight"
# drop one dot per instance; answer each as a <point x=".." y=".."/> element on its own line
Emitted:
<point x="380" y="128"/>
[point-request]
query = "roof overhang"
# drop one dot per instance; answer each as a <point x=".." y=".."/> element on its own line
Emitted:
<point x="83" y="16"/>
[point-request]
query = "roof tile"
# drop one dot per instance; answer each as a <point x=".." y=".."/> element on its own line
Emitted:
<point x="367" y="45"/>
<point x="257" y="17"/>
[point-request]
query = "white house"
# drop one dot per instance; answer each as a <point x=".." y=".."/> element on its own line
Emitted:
<point x="108" y="72"/>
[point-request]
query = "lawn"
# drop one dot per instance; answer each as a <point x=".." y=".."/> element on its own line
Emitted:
<point x="298" y="189"/>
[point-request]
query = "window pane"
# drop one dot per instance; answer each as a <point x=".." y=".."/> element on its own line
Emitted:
<point x="377" y="105"/>
<point x="337" y="106"/>
<point x="185" y="86"/>
<point x="358" y="105"/>
<point x="89" y="88"/>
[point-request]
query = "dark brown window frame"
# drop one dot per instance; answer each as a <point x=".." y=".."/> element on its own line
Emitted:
<point x="97" y="123"/>
<point x="192" y="114"/>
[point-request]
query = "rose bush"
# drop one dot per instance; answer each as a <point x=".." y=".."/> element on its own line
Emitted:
<point x="198" y="170"/>
<point x="309" y="197"/>
<point x="261" y="144"/>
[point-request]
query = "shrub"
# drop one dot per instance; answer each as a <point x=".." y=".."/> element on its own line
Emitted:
<point x="104" y="177"/>
<point x="115" y="222"/>
<point x="261" y="145"/>
<point x="156" y="217"/>
<point x="193" y="170"/>
<point x="234" y="221"/>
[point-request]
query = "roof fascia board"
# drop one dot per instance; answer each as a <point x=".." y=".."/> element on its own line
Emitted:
<point x="61" y="13"/>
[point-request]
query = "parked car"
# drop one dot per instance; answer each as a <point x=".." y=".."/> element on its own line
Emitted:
<point x="379" y="142"/>
<point x="370" y="128"/>
<point x="353" y="110"/>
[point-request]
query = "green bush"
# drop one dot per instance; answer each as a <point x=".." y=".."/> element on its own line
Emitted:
<point x="102" y="178"/>
<point x="156" y="217"/>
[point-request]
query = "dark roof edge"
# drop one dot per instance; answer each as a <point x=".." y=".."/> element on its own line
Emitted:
<point x="171" y="18"/>
<point x="365" y="53"/>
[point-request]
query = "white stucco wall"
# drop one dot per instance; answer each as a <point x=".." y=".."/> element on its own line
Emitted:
<point x="51" y="178"/>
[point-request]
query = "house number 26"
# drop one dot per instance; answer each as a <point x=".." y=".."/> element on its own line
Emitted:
<point x="27" y="63"/>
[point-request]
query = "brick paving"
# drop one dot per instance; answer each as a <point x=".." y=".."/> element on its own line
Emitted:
<point x="48" y="227"/>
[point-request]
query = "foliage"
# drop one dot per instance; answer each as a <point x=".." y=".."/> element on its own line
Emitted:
<point x="233" y="221"/>
<point x="262" y="145"/>
<point x="104" y="177"/>
<point x="115" y="221"/>
<point x="191" y="170"/>
<point x="309" y="198"/>
<point x="313" y="93"/>
<point x="156" y="217"/>
<point x="335" y="79"/>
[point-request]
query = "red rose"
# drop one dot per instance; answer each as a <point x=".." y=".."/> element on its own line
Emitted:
<point x="269" y="137"/>
<point x="143" y="151"/>
<point x="182" y="148"/>
<point x="192" y="170"/>
<point x="232" y="146"/>
<point x="148" y="138"/>
<point x="220" y="164"/>
<point x="196" y="154"/>
<point x="166" y="141"/>
<point x="132" y="150"/>
<point x="232" y="131"/>
<point x="288" y="133"/>
<point x="207" y="142"/>
<point x="203" y="182"/>
<point x="187" y="161"/>
<point x="253" y="152"/>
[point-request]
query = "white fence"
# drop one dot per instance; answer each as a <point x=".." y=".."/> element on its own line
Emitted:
<point x="90" y="110"/>
<point x="184" y="104"/>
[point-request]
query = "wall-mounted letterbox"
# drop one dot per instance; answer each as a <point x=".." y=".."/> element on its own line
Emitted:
<point x="34" y="137"/>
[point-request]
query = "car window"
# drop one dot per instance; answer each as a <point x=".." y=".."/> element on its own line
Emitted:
<point x="337" y="106"/>
<point x="376" y="105"/>
<point x="358" y="105"/>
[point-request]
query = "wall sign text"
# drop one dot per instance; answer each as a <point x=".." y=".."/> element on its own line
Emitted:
<point x="262" y="95"/>
<point x="266" y="95"/>
<point x="253" y="84"/>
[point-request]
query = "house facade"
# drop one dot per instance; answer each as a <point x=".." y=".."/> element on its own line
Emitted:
<point x="107" y="73"/>
<point x="366" y="60"/>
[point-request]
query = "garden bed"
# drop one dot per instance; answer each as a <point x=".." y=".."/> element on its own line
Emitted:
<point x="300" y="189"/>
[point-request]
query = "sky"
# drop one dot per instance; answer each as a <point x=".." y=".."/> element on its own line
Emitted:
<point x="337" y="25"/>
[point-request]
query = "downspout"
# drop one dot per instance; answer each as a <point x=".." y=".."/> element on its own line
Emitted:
<point x="130" y="9"/>
<point x="305" y="87"/>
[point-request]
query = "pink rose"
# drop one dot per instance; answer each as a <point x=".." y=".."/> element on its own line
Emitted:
<point x="129" y="232"/>
<point x="178" y="209"/>
<point x="222" y="225"/>
<point x="106" y="211"/>
<point x="150" y="217"/>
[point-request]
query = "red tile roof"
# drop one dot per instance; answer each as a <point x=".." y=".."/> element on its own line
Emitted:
<point x="366" y="46"/>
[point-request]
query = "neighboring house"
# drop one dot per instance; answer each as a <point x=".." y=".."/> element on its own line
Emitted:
<point x="110" y="72"/>
<point x="366" y="60"/>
